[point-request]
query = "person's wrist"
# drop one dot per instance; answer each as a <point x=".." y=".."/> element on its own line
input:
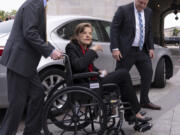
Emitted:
<point x="51" y="52"/>
<point x="93" y="48"/>
<point x="115" y="49"/>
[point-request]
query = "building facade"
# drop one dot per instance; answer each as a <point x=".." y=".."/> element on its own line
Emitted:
<point x="98" y="8"/>
<point x="173" y="31"/>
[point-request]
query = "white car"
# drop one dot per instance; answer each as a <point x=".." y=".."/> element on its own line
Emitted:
<point x="59" y="31"/>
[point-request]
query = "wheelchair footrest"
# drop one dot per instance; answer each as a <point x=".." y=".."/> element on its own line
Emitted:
<point x="143" y="127"/>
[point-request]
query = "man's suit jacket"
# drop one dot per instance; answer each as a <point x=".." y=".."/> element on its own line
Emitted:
<point x="123" y="28"/>
<point x="26" y="43"/>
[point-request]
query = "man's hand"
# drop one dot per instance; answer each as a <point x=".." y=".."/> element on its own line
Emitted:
<point x="56" y="54"/>
<point x="117" y="54"/>
<point x="151" y="53"/>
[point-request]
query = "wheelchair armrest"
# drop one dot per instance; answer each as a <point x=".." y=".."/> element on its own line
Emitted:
<point x="85" y="75"/>
<point x="110" y="85"/>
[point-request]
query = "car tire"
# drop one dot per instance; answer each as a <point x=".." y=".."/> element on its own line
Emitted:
<point x="2" y="114"/>
<point x="160" y="74"/>
<point x="51" y="77"/>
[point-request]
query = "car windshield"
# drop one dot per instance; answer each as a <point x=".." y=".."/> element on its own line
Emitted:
<point x="5" y="27"/>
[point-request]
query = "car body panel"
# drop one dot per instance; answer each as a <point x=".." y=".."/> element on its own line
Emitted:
<point x="3" y="87"/>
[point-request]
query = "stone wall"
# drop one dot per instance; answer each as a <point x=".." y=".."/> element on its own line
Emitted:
<point x="99" y="8"/>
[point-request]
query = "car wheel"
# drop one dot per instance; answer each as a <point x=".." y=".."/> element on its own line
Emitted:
<point x="50" y="78"/>
<point x="160" y="74"/>
<point x="53" y="80"/>
<point x="2" y="114"/>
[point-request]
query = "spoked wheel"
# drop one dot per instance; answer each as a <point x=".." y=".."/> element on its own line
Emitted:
<point x="111" y="122"/>
<point x="60" y="103"/>
<point x="50" y="78"/>
<point x="84" y="113"/>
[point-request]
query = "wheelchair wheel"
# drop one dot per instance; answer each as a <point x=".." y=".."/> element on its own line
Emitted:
<point x="61" y="102"/>
<point x="78" y="117"/>
<point x="111" y="122"/>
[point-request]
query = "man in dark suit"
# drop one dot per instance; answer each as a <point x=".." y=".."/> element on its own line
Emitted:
<point x="22" y="53"/>
<point x="132" y="43"/>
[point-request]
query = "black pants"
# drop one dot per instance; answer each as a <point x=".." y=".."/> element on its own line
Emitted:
<point x="122" y="78"/>
<point x="23" y="92"/>
<point x="143" y="64"/>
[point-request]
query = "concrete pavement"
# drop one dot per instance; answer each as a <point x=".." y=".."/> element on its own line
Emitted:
<point x="166" y="121"/>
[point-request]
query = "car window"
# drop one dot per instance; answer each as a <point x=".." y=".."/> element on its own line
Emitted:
<point x="66" y="31"/>
<point x="5" y="27"/>
<point x="105" y="30"/>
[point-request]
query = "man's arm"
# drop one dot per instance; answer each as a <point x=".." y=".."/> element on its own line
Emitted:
<point x="150" y="36"/>
<point x="115" y="29"/>
<point x="115" y="34"/>
<point x="31" y="33"/>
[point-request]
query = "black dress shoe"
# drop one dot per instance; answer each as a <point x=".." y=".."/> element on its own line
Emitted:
<point x="151" y="106"/>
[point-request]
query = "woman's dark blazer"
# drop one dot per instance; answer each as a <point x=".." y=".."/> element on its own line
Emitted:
<point x="79" y="61"/>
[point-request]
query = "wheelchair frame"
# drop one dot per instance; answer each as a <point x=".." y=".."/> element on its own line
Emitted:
<point x="65" y="108"/>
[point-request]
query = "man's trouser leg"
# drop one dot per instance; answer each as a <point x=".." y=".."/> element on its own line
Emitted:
<point x="33" y="123"/>
<point x="17" y="96"/>
<point x="144" y="66"/>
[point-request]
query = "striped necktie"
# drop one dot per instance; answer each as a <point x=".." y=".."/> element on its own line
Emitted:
<point x="141" y="31"/>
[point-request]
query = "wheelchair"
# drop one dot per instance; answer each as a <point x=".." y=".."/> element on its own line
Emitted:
<point x="85" y="109"/>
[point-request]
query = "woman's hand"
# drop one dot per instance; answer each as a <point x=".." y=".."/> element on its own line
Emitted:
<point x="103" y="73"/>
<point x="97" y="48"/>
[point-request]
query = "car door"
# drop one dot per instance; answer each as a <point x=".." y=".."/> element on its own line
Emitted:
<point x="65" y="32"/>
<point x="105" y="60"/>
<point x="3" y="87"/>
<point x="62" y="35"/>
<point x="5" y="28"/>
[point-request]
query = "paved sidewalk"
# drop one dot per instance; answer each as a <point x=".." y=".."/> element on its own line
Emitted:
<point x="167" y="124"/>
<point x="167" y="120"/>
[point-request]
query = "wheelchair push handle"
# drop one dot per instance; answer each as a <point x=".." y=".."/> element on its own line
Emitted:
<point x="65" y="56"/>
